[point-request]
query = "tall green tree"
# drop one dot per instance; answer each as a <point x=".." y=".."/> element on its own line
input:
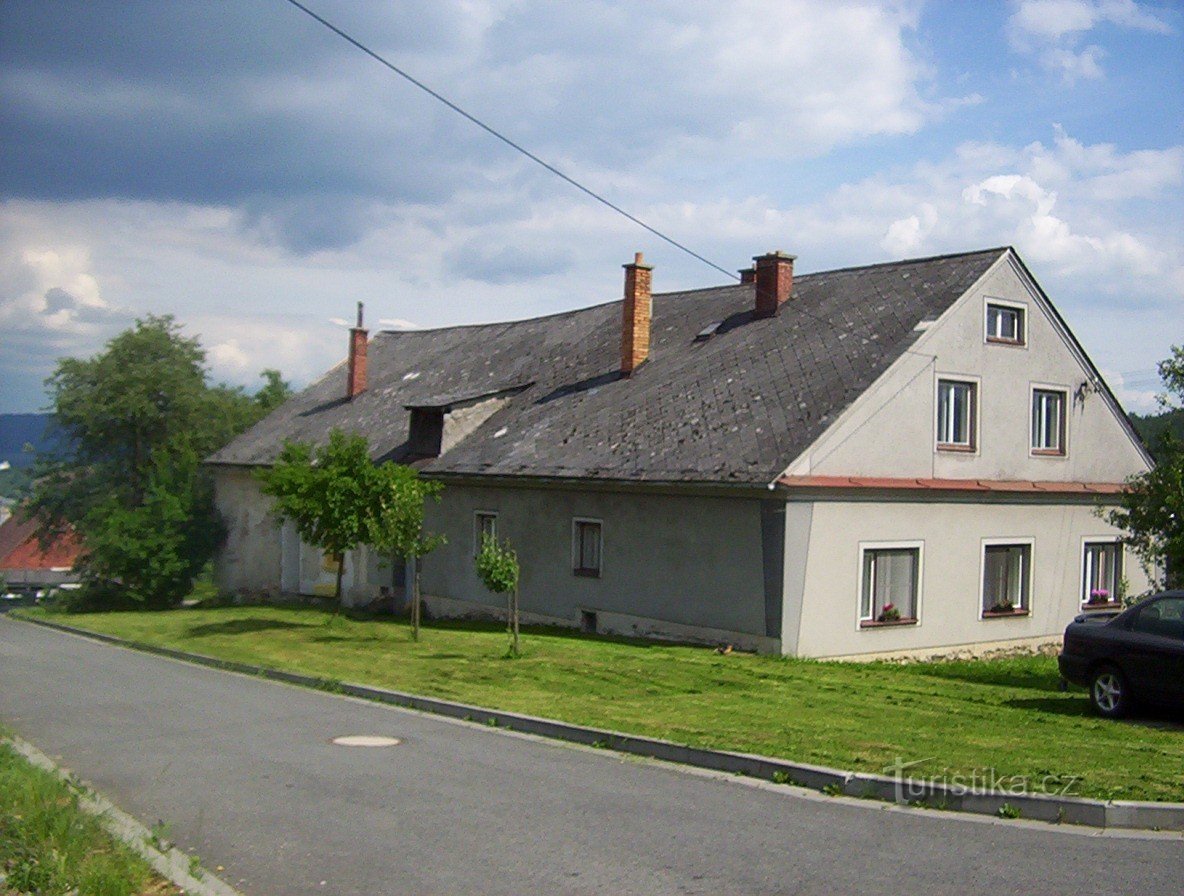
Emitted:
<point x="1151" y="510"/>
<point x="137" y="420"/>
<point x="401" y="500"/>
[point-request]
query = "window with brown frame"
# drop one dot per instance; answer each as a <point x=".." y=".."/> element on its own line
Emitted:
<point x="586" y="548"/>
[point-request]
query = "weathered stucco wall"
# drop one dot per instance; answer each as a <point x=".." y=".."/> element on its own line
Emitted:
<point x="260" y="556"/>
<point x="249" y="559"/>
<point x="674" y="565"/>
<point x="951" y="537"/>
<point x="891" y="430"/>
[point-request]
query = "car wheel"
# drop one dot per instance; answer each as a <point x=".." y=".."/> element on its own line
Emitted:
<point x="1108" y="692"/>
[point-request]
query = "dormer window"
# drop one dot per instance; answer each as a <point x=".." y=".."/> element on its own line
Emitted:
<point x="1006" y="324"/>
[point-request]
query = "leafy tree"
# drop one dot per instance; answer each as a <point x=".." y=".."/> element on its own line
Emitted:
<point x="136" y="420"/>
<point x="330" y="494"/>
<point x="1151" y="510"/>
<point x="398" y="525"/>
<point x="274" y="391"/>
<point x="497" y="566"/>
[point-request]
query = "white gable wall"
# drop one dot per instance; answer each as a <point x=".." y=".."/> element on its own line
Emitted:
<point x="891" y="430"/>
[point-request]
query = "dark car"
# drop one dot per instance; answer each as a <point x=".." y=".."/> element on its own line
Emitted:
<point x="1136" y="656"/>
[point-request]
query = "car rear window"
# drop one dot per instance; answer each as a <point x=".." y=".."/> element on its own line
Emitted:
<point x="1162" y="617"/>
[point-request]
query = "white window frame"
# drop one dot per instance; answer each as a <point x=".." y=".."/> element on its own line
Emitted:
<point x="1087" y="542"/>
<point x="864" y="547"/>
<point x="478" y="529"/>
<point x="1026" y="541"/>
<point x="576" y="570"/>
<point x="1021" y="340"/>
<point x="970" y="447"/>
<point x="1063" y="449"/>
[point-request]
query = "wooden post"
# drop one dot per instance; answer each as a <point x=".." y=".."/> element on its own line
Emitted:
<point x="413" y="562"/>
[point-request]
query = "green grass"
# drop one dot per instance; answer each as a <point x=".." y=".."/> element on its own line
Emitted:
<point x="49" y="845"/>
<point x="1005" y="715"/>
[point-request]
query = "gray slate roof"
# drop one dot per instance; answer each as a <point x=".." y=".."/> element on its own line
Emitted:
<point x="737" y="407"/>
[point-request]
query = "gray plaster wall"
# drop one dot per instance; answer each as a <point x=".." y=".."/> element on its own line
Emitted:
<point x="695" y="562"/>
<point x="891" y="430"/>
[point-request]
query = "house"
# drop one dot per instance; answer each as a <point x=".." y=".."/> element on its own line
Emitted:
<point x="26" y="564"/>
<point x="901" y="458"/>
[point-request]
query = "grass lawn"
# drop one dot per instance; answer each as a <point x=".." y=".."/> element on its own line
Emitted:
<point x="1005" y="715"/>
<point x="49" y="845"/>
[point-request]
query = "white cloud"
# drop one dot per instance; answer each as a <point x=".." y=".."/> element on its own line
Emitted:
<point x="1052" y="31"/>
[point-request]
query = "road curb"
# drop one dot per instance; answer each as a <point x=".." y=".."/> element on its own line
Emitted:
<point x="931" y="793"/>
<point x="170" y="862"/>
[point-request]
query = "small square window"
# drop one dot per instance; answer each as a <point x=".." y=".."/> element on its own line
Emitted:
<point x="1048" y="421"/>
<point x="585" y="548"/>
<point x="890" y="582"/>
<point x="484" y="524"/>
<point x="1102" y="573"/>
<point x="1007" y="572"/>
<point x="956" y="415"/>
<point x="1005" y="324"/>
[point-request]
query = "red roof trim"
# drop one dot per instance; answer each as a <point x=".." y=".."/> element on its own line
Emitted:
<point x="954" y="485"/>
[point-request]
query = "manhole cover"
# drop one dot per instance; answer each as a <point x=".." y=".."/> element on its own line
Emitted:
<point x="365" y="740"/>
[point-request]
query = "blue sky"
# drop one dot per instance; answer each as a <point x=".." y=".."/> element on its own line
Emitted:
<point x="240" y="167"/>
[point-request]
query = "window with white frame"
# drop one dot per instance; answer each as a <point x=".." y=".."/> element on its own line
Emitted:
<point x="1048" y="421"/>
<point x="1005" y="323"/>
<point x="1007" y="574"/>
<point x="956" y="414"/>
<point x="890" y="585"/>
<point x="586" y="547"/>
<point x="484" y="525"/>
<point x="1102" y="572"/>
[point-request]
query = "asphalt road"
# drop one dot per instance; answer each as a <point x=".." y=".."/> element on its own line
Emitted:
<point x="244" y="772"/>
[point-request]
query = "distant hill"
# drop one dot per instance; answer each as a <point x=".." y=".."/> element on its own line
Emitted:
<point x="1151" y="427"/>
<point x="18" y="430"/>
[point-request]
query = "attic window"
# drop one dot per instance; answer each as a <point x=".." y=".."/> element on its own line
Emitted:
<point x="1005" y="324"/>
<point x="708" y="331"/>
<point x="426" y="432"/>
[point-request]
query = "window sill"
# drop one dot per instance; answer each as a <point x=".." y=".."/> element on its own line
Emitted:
<point x="999" y="340"/>
<point x="1047" y="452"/>
<point x="956" y="449"/>
<point x="872" y="623"/>
<point x="988" y="614"/>
<point x="586" y="573"/>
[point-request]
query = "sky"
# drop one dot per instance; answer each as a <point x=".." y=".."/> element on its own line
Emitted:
<point x="242" y="168"/>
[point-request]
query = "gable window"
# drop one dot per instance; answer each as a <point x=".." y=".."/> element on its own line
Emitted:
<point x="1048" y="421"/>
<point x="1005" y="323"/>
<point x="891" y="577"/>
<point x="484" y="524"/>
<point x="1007" y="574"/>
<point x="956" y="415"/>
<point x="1102" y="572"/>
<point x="585" y="548"/>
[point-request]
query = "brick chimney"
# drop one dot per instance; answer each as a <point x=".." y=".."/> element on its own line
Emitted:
<point x="357" y="359"/>
<point x="774" y="282"/>
<point x="635" y="315"/>
<point x="747" y="275"/>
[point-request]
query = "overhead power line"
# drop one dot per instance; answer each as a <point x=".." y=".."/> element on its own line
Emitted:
<point x="382" y="60"/>
<point x="517" y="147"/>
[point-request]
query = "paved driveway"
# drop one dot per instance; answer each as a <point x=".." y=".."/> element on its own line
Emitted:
<point x="245" y="773"/>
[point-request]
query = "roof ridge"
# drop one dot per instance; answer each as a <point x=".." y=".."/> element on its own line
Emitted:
<point x="498" y="323"/>
<point x="927" y="258"/>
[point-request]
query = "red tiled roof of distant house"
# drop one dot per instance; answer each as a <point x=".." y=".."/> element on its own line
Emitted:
<point x="20" y="548"/>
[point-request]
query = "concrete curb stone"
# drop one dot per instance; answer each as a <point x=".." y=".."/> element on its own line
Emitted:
<point x="169" y="862"/>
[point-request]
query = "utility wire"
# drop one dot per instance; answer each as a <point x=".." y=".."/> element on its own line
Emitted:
<point x="506" y="140"/>
<point x="493" y="132"/>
